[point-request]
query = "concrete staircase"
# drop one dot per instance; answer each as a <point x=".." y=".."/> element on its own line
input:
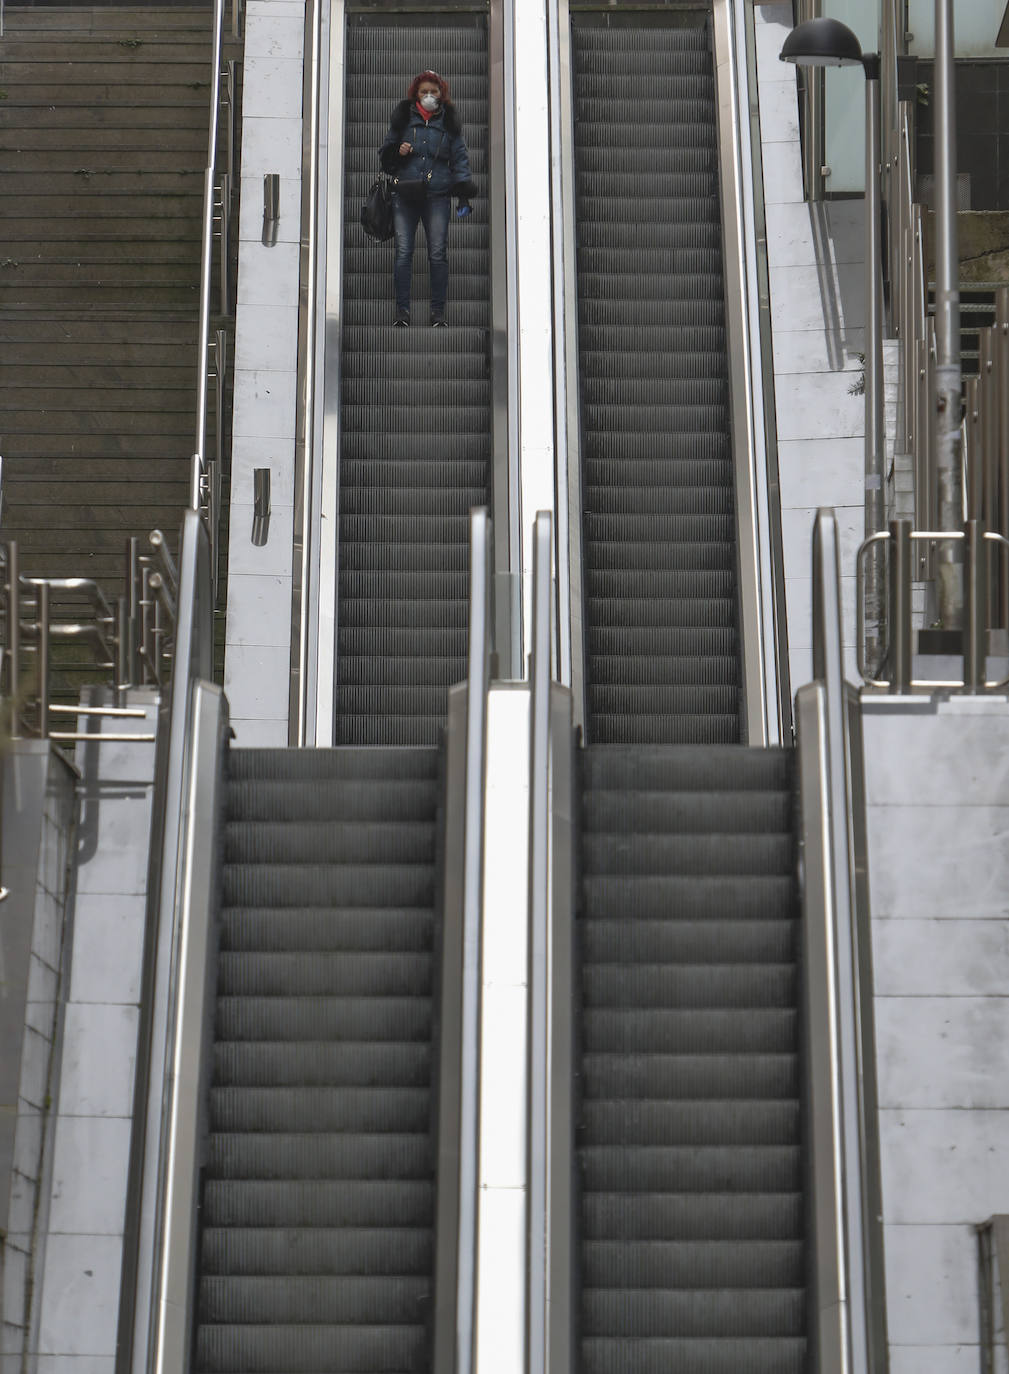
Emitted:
<point x="102" y="150"/>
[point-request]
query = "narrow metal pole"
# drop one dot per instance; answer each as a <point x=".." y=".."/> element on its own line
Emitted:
<point x="875" y="606"/>
<point x="975" y="607"/>
<point x="14" y="635"/>
<point x="43" y="659"/>
<point x="900" y="605"/>
<point x="949" y="458"/>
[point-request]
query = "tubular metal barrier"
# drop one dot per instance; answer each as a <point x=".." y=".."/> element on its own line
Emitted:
<point x="847" y="1322"/>
<point x="459" y="1073"/>
<point x="128" y="645"/>
<point x="980" y="573"/>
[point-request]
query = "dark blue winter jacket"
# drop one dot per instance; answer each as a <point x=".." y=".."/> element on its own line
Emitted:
<point x="439" y="161"/>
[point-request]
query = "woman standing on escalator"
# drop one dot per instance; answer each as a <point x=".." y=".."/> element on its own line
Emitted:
<point x="424" y="151"/>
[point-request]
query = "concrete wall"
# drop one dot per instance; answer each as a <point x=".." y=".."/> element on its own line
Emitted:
<point x="937" y="782"/>
<point x="78" y="1227"/>
<point x="38" y="828"/>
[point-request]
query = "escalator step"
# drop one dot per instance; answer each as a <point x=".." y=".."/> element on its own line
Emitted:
<point x="714" y="1169"/>
<point x="698" y="1076"/>
<point x="319" y="1202"/>
<point x="732" y="1312"/>
<point x="395" y="1300"/>
<point x="260" y="1064"/>
<point x="311" y="1349"/>
<point x="696" y="1030"/>
<point x="301" y="766"/>
<point x="327" y="1017"/>
<point x="696" y="985"/>
<point x="319" y="974"/>
<point x="329" y="800"/>
<point x="707" y="1355"/>
<point x="286" y="1251"/>
<point x="282" y="1155"/>
<point x="651" y="1217"/>
<point x="327" y="885"/>
<point x="748" y="855"/>
<point x="754" y="812"/>
<point x="326" y="841"/>
<point x="710" y="941"/>
<point x="361" y="1110"/>
<point x="406" y="929"/>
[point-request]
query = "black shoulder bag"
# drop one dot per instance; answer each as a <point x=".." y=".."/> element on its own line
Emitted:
<point x="376" y="212"/>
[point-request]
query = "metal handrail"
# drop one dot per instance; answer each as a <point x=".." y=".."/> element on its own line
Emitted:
<point x="145" y="1329"/>
<point x="551" y="1199"/>
<point x="205" y="471"/>
<point x="130" y="642"/>
<point x="847" y="1308"/>
<point x="538" y="1133"/>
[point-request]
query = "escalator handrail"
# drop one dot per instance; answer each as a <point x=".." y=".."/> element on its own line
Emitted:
<point x="845" y="1260"/>
<point x="537" y="1166"/>
<point x="192" y="664"/>
<point x="454" y="1335"/>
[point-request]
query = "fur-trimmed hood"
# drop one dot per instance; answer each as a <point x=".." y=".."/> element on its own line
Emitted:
<point x="402" y="112"/>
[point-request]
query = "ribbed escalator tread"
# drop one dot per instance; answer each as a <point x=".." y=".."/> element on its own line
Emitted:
<point x="658" y="500"/>
<point x="415" y="413"/>
<point x="318" y="1184"/>
<point x="692" y="1210"/>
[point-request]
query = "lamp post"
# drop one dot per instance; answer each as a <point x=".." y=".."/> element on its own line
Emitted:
<point x="829" y="43"/>
<point x="948" y="378"/>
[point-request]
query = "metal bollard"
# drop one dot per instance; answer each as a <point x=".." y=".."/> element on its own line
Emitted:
<point x="900" y="606"/>
<point x="975" y="607"/>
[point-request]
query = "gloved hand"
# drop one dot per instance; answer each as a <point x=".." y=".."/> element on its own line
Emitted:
<point x="464" y="208"/>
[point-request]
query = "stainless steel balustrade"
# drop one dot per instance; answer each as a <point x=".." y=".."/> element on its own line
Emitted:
<point x="155" y="1288"/>
<point x="847" y="1318"/>
<point x="551" y="1292"/>
<point x="459" y="1072"/>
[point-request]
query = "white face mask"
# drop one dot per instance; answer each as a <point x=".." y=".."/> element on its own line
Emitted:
<point x="430" y="102"/>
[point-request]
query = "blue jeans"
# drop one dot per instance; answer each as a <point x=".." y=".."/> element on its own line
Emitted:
<point x="434" y="212"/>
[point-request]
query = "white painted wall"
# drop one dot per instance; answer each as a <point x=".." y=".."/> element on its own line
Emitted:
<point x="258" y="646"/>
<point x="816" y="266"/>
<point x="937" y="784"/>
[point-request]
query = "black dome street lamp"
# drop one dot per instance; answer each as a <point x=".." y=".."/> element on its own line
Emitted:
<point x="822" y="43"/>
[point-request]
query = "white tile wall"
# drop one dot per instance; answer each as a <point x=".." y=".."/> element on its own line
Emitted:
<point x="266" y="359"/>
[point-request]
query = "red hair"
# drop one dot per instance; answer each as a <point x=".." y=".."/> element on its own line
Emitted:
<point x="439" y="81"/>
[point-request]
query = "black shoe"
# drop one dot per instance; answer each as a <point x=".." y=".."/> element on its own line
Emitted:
<point x="438" y="321"/>
<point x="401" y="319"/>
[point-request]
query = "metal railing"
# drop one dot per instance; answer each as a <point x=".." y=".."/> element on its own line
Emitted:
<point x="459" y="1077"/>
<point x="153" y="1320"/>
<point x="982" y="570"/>
<point x="551" y="1293"/>
<point x="126" y="645"/>
<point x="847" y="1307"/>
<point x="212" y="356"/>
